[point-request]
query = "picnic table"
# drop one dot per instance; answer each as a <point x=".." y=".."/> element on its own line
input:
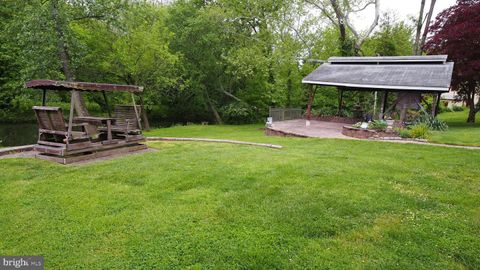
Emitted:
<point x="98" y="121"/>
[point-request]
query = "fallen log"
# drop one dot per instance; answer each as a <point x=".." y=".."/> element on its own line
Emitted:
<point x="214" y="141"/>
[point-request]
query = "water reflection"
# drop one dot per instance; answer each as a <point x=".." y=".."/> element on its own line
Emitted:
<point x="18" y="134"/>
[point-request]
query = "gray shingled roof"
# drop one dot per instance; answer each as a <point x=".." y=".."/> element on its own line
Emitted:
<point x="412" y="73"/>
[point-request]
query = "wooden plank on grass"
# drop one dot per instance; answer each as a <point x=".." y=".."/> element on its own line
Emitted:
<point x="214" y="141"/>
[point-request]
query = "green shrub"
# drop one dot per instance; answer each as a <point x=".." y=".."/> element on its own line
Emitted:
<point x="404" y="133"/>
<point x="419" y="131"/>
<point x="431" y="122"/>
<point x="378" y="125"/>
<point x="238" y="113"/>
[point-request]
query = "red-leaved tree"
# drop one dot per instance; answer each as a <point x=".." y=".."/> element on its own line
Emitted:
<point x="456" y="32"/>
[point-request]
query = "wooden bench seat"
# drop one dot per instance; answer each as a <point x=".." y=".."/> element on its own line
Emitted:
<point x="53" y="131"/>
<point x="126" y="121"/>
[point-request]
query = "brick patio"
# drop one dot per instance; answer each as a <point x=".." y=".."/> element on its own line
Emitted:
<point x="316" y="129"/>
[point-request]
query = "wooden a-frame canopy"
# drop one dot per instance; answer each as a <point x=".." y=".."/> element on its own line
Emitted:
<point x="85" y="86"/>
<point x="82" y="86"/>
<point x="411" y="74"/>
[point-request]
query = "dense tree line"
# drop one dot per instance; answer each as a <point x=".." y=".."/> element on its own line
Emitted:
<point x="223" y="61"/>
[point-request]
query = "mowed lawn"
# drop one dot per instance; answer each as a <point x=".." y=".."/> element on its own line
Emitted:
<point x="331" y="204"/>
<point x="460" y="132"/>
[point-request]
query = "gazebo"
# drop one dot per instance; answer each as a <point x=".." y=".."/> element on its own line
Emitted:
<point x="409" y="76"/>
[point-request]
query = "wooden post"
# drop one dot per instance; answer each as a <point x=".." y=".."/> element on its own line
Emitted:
<point x="384" y="105"/>
<point x="310" y="101"/>
<point x="44" y="97"/>
<point x="136" y="112"/>
<point x="436" y="105"/>
<point x="403" y="115"/>
<point x="70" y="117"/>
<point x="109" y="131"/>
<point x="340" y="100"/>
<point x="106" y="104"/>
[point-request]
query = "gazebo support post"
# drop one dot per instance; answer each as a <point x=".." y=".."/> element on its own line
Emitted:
<point x="44" y="97"/>
<point x="403" y="115"/>
<point x="312" y="90"/>
<point x="340" y="100"/>
<point x="70" y="117"/>
<point x="384" y="105"/>
<point x="436" y="105"/>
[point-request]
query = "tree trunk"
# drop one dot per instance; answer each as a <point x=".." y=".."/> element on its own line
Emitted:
<point x="471" y="116"/>
<point x="289" y="88"/>
<point x="427" y="25"/>
<point x="341" y="27"/>
<point x="416" y="45"/>
<point x="64" y="57"/>
<point x="217" y="117"/>
<point x="471" y="103"/>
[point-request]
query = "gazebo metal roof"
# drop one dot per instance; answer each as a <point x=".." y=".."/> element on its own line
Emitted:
<point x="81" y="86"/>
<point x="431" y="73"/>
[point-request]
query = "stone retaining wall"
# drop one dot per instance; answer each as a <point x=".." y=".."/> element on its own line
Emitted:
<point x="275" y="132"/>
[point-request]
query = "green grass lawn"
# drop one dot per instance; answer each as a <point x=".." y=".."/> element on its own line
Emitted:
<point x="460" y="132"/>
<point x="332" y="204"/>
<point x="236" y="132"/>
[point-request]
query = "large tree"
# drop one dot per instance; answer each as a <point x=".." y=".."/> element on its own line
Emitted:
<point x="48" y="47"/>
<point x="339" y="13"/>
<point x="423" y="22"/>
<point x="456" y="32"/>
<point x="393" y="38"/>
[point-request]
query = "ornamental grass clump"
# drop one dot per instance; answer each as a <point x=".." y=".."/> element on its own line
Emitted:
<point x="420" y="131"/>
<point x="432" y="122"/>
<point x="404" y="133"/>
<point x="379" y="125"/>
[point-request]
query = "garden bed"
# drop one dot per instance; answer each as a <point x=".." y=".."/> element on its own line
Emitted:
<point x="362" y="133"/>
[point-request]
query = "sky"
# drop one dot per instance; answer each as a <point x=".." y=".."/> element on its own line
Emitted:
<point x="402" y="8"/>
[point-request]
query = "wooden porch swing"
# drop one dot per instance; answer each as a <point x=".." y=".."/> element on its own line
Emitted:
<point x="86" y="137"/>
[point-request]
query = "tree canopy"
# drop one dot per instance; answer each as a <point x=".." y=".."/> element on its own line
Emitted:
<point x="223" y="61"/>
<point x="456" y="32"/>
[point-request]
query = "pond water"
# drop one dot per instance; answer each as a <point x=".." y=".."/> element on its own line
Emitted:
<point x="18" y="134"/>
<point x="26" y="133"/>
